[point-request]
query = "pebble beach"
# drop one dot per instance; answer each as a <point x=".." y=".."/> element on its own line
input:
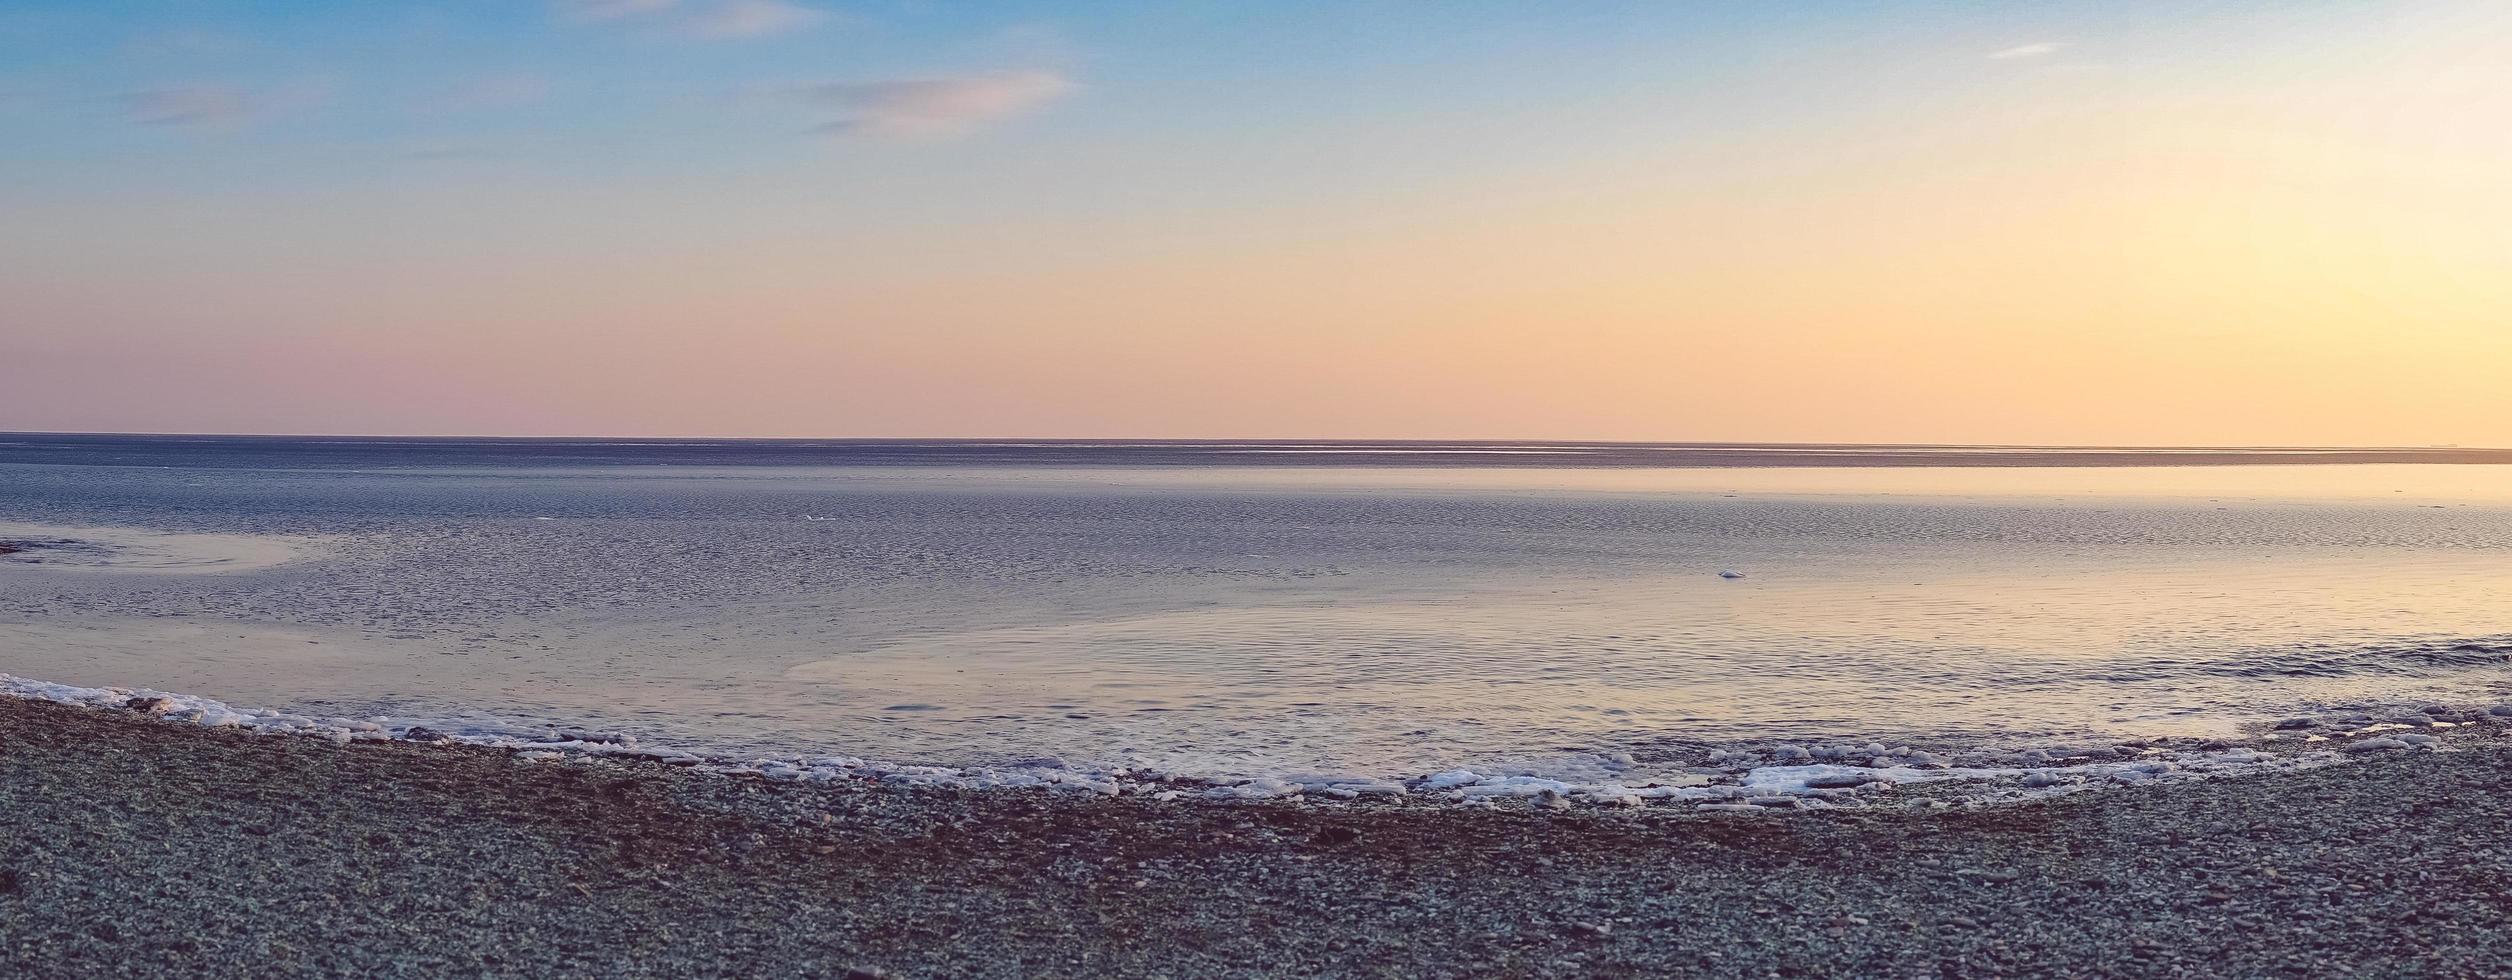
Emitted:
<point x="131" y="844"/>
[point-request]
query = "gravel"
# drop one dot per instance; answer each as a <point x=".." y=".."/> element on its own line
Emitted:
<point x="129" y="845"/>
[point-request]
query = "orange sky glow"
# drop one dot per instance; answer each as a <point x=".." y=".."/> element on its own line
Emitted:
<point x="2132" y="227"/>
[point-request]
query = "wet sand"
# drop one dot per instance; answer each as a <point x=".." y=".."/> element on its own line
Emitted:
<point x="129" y="844"/>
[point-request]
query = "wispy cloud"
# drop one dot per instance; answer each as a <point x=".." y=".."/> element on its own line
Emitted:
<point x="494" y="92"/>
<point x="440" y="151"/>
<point x="190" y="105"/>
<point x="939" y="106"/>
<point x="709" y="19"/>
<point x="2033" y="50"/>
<point x="218" y="106"/>
<point x="751" y="18"/>
<point x="182" y="43"/>
<point x="599" y="11"/>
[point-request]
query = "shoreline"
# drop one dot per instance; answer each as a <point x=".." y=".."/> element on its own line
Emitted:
<point x="1732" y="777"/>
<point x="133" y="843"/>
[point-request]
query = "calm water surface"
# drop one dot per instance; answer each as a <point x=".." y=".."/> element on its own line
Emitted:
<point x="1245" y="608"/>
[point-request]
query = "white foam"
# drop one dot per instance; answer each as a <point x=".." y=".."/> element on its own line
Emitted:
<point x="1790" y="785"/>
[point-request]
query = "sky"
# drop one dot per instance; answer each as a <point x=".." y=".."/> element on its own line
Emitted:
<point x="2037" y="222"/>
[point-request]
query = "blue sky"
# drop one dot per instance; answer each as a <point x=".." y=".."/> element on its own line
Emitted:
<point x="1003" y="218"/>
<point x="1040" y="114"/>
<point x="105" y="90"/>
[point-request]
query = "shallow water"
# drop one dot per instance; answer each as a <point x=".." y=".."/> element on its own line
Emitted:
<point x="1336" y="613"/>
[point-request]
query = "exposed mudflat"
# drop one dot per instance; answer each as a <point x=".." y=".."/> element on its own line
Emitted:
<point x="131" y="844"/>
<point x="128" y="549"/>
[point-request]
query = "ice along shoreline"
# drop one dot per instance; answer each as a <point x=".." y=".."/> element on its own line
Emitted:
<point x="1760" y="777"/>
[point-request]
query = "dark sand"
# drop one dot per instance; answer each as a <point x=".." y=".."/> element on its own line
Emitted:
<point x="131" y="846"/>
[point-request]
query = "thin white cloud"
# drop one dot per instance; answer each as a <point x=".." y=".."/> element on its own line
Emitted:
<point x="751" y="18"/>
<point x="440" y="151"/>
<point x="190" y="105"/>
<point x="494" y="92"/>
<point x="706" y="19"/>
<point x="939" y="106"/>
<point x="601" y="11"/>
<point x="183" y="43"/>
<point x="218" y="106"/>
<point x="2033" y="50"/>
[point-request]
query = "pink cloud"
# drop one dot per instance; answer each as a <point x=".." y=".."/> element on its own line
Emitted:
<point x="940" y="106"/>
<point x="599" y="11"/>
<point x="190" y="105"/>
<point x="751" y="18"/>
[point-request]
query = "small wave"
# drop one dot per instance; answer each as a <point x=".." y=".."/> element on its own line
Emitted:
<point x="2426" y="659"/>
<point x="1749" y="777"/>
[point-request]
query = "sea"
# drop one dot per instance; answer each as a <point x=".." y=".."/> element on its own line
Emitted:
<point x="1242" y="608"/>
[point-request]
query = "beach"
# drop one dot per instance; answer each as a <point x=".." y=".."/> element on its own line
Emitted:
<point x="619" y="489"/>
<point x="129" y="843"/>
<point x="1328" y="613"/>
<point x="423" y="708"/>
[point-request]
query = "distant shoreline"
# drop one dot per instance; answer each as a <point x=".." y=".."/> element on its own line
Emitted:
<point x="134" y="844"/>
<point x="212" y="451"/>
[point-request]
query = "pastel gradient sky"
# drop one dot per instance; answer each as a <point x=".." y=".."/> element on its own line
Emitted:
<point x="2043" y="222"/>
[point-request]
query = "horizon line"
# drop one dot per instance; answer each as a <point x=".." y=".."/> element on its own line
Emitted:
<point x="1277" y="440"/>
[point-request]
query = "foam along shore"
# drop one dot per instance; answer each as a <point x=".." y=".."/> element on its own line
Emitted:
<point x="1758" y="777"/>
<point x="130" y="844"/>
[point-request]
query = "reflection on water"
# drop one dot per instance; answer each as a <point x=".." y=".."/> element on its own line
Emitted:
<point x="1227" y="618"/>
<point x="2393" y="483"/>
